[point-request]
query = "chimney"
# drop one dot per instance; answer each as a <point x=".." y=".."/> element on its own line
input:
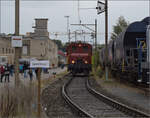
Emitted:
<point x="41" y="27"/>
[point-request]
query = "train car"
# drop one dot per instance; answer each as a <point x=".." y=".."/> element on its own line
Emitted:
<point x="110" y="53"/>
<point x="79" y="56"/>
<point x="102" y="57"/>
<point x="148" y="50"/>
<point x="127" y="54"/>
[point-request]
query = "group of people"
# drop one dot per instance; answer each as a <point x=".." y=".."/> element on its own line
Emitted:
<point x="8" y="70"/>
<point x="26" y="70"/>
<point x="5" y="72"/>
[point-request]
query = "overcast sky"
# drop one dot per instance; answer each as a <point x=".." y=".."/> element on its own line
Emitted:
<point x="56" y="10"/>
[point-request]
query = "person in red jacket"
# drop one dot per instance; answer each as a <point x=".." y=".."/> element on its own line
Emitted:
<point x="2" y="71"/>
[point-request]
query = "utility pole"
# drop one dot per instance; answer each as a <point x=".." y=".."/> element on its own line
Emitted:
<point x="0" y="16"/>
<point x="106" y="38"/>
<point x="75" y="36"/>
<point x="17" y="49"/>
<point x="69" y="36"/>
<point x="103" y="7"/>
<point x="39" y="92"/>
<point x="68" y="31"/>
<point x="95" y="34"/>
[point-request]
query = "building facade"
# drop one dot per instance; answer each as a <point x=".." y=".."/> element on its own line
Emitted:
<point x="36" y="45"/>
<point x="6" y="51"/>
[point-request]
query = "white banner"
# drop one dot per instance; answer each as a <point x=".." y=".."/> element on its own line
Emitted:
<point x="39" y="64"/>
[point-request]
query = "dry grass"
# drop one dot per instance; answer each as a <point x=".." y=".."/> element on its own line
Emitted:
<point x="99" y="76"/>
<point x="17" y="102"/>
<point x="22" y="102"/>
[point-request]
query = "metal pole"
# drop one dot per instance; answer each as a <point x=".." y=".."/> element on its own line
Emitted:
<point x="67" y="25"/>
<point x="75" y="36"/>
<point x="39" y="92"/>
<point x="69" y="36"/>
<point x="0" y="16"/>
<point x="106" y="38"/>
<point x="17" y="50"/>
<point x="95" y="34"/>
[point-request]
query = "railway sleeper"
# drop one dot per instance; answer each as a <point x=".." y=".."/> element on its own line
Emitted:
<point x="113" y="103"/>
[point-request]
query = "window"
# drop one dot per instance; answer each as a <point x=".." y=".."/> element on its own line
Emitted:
<point x="24" y="50"/>
<point x="9" y="50"/>
<point x="85" y="48"/>
<point x="6" y="51"/>
<point x="74" y="48"/>
<point x="3" y="50"/>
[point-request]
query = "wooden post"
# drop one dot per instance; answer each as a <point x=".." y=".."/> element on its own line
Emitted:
<point x="17" y="49"/>
<point x="39" y="92"/>
<point x="106" y="38"/>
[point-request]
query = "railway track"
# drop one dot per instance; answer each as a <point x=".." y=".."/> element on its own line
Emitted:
<point x="89" y="103"/>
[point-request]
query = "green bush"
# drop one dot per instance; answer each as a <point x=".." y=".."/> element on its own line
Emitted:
<point x="99" y="72"/>
<point x="95" y="59"/>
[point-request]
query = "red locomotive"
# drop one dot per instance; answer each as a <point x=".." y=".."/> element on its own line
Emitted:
<point x="79" y="57"/>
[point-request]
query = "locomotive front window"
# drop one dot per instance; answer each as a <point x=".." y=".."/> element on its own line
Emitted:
<point x="73" y="49"/>
<point x="85" y="48"/>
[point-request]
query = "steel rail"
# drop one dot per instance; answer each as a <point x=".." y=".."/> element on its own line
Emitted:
<point x="72" y="104"/>
<point x="122" y="107"/>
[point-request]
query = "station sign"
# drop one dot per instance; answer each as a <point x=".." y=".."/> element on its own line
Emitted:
<point x="16" y="41"/>
<point x="39" y="64"/>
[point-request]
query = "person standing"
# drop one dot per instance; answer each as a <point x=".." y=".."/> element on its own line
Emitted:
<point x="2" y="72"/>
<point x="21" y="68"/>
<point x="25" y="67"/>
<point x="11" y="70"/>
<point x="30" y="74"/>
<point x="7" y="72"/>
<point x="36" y="72"/>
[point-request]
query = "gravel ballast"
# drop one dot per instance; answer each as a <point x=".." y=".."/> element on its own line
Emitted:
<point x="125" y="94"/>
<point x="52" y="102"/>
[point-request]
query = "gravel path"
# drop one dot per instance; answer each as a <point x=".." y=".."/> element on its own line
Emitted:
<point x="53" y="103"/>
<point x="122" y="93"/>
<point x="80" y="95"/>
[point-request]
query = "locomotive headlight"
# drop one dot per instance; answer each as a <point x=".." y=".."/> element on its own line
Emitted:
<point x="85" y="62"/>
<point x="73" y="62"/>
<point x="80" y="45"/>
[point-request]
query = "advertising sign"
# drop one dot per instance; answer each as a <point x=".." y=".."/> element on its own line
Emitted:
<point x="16" y="41"/>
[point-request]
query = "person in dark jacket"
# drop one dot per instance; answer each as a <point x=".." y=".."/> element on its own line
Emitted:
<point x="30" y="74"/>
<point x="25" y="67"/>
<point x="11" y="70"/>
<point x="2" y="70"/>
<point x="7" y="72"/>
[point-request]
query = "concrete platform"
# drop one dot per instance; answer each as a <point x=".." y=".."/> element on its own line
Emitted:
<point x="27" y="80"/>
